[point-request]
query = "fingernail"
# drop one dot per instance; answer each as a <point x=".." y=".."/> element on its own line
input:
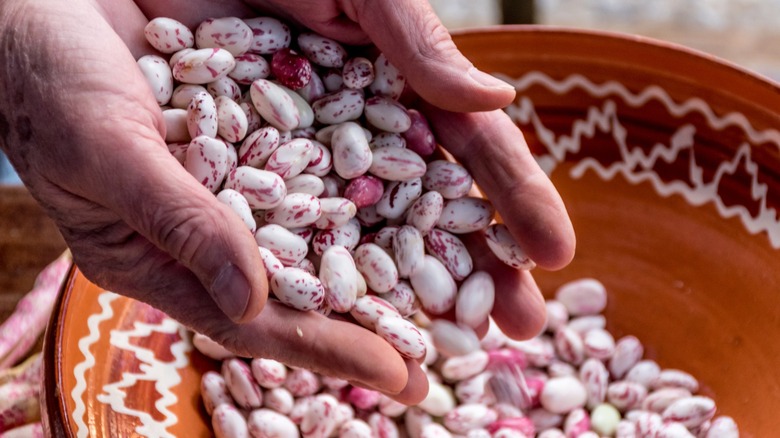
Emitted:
<point x="231" y="291"/>
<point x="488" y="80"/>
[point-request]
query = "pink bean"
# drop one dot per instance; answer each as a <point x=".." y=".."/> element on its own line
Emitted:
<point x="364" y="191"/>
<point x="419" y="137"/>
<point x="290" y="68"/>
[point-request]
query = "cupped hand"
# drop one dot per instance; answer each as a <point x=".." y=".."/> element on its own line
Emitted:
<point x="85" y="134"/>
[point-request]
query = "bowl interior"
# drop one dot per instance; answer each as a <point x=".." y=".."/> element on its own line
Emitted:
<point x="669" y="164"/>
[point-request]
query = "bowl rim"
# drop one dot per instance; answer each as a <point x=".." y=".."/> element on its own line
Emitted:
<point x="637" y="40"/>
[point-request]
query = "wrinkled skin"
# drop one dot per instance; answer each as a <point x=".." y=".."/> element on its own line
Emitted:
<point x="85" y="134"/>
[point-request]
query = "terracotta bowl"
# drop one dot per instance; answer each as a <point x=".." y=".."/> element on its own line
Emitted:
<point x="669" y="163"/>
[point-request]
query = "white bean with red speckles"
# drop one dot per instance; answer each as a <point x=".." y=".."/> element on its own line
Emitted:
<point x="298" y="289"/>
<point x="396" y="164"/>
<point x="178" y="55"/>
<point x="551" y="433"/>
<point x="258" y="146"/>
<point x="369" y="308"/>
<point x="595" y="377"/>
<point x="674" y="430"/>
<point x="270" y="262"/>
<point x="585" y="296"/>
<point x="321" y="50"/>
<point x="213" y="391"/>
<point x="176" y="130"/>
<point x="347" y="235"/>
<point x="628" y="351"/>
<point x="312" y="90"/>
<point x="302" y="382"/>
<point x="658" y="400"/>
<point x="355" y="428"/>
<point x="384" y="237"/>
<point x="599" y="343"/>
<point x="296" y="210"/>
<point x="434" y="286"/>
<point x="224" y="86"/>
<point x="425" y="211"/>
<point x="475" y="299"/>
<point x="279" y="399"/>
<point x="288" y="247"/>
<point x="625" y="429"/>
<point x="577" y="422"/>
<point x="274" y="105"/>
<point x="466" y="214"/>
<point x="584" y="324"/>
<point x="391" y="408"/>
<point x="467" y="417"/>
<point x="168" y="35"/>
<point x="475" y="390"/>
<point x="453" y="340"/>
<point x="229" y="33"/>
<point x="398" y="197"/>
<point x="644" y="372"/>
<point x="562" y="395"/>
<point x="690" y="411"/>
<point x="625" y="395"/>
<point x="504" y="246"/>
<point x="305" y="183"/>
<point x="241" y="385"/>
<point x="183" y="94"/>
<point x="352" y="156"/>
<point x="321" y="161"/>
<point x="268" y="373"/>
<point x="387" y="139"/>
<point x="203" y="66"/>
<point x="451" y="251"/>
<point x="238" y="203"/>
<point x="377" y="267"/>
<point x="269" y="423"/>
<point x="386" y="114"/>
<point x="339" y="106"/>
<point x="408" y="249"/>
<point x="262" y="189"/>
<point x="358" y="72"/>
<point x="249" y="68"/>
<point x="459" y="368"/>
<point x="676" y="379"/>
<point x="450" y="179"/>
<point x="254" y="121"/>
<point x="403" y="298"/>
<point x="228" y="422"/>
<point x="207" y="161"/>
<point x="364" y="191"/>
<point x="268" y="35"/>
<point x="723" y="427"/>
<point x="388" y="79"/>
<point x="319" y="421"/>
<point x="202" y="116"/>
<point x="648" y="424"/>
<point x="336" y="212"/>
<point x="338" y="275"/>
<point x="159" y="77"/>
<point x="290" y="158"/>
<point x="231" y="120"/>
<point x="402" y="334"/>
<point x="325" y="134"/>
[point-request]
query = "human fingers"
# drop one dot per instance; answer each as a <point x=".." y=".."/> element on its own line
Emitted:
<point x="92" y="134"/>
<point x="493" y="149"/>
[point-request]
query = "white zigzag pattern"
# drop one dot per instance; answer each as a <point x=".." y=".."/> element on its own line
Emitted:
<point x="636" y="166"/>
<point x="165" y="375"/>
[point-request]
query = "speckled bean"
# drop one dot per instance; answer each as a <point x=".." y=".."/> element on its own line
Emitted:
<point x="453" y="340"/>
<point x="319" y="421"/>
<point x="258" y="146"/>
<point x="288" y="247"/>
<point x="302" y="382"/>
<point x="347" y="235"/>
<point x="159" y="77"/>
<point x="290" y="158"/>
<point x="676" y="379"/>
<point x="425" y="211"/>
<point x="270" y="262"/>
<point x="451" y="251"/>
<point x="228" y="422"/>
<point x="202" y="116"/>
<point x="203" y="66"/>
<point x="339" y="106"/>
<point x="338" y="275"/>
<point x="586" y="296"/>
<point x="377" y="267"/>
<point x="450" y="179"/>
<point x="434" y="286"/>
<point x="397" y="164"/>
<point x="398" y="197"/>
<point x="279" y="399"/>
<point x="268" y="373"/>
<point x="262" y="189"/>
<point x="419" y="137"/>
<point x="207" y="161"/>
<point x="648" y="424"/>
<point x="183" y="94"/>
<point x="625" y="395"/>
<point x="387" y="139"/>
<point x="274" y="105"/>
<point x="563" y="394"/>
<point x="241" y="385"/>
<point x="595" y="378"/>
<point x="690" y="411"/>
<point x="465" y="215"/>
<point x="723" y="427"/>
<point x="298" y="289"/>
<point x="388" y="79"/>
<point x="268" y="35"/>
<point x="335" y="213"/>
<point x="229" y="33"/>
<point x="644" y="372"/>
<point x="355" y="428"/>
<point x="364" y="191"/>
<point x="475" y="299"/>
<point x="305" y="183"/>
<point x="321" y="50"/>
<point x="386" y="114"/>
<point x="231" y="120"/>
<point x="296" y="210"/>
<point x="351" y="155"/>
<point x="369" y="308"/>
<point x="504" y="246"/>
<point x="408" y="249"/>
<point x="402" y="335"/>
<point x="628" y="351"/>
<point x="459" y="368"/>
<point x="599" y="343"/>
<point x="269" y="423"/>
<point x="213" y="391"/>
<point x="403" y="298"/>
<point x="321" y="161"/>
<point x="224" y="86"/>
<point x="168" y="35"/>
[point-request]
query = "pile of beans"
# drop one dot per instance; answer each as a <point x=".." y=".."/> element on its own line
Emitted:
<point x="573" y="380"/>
<point x="354" y="212"/>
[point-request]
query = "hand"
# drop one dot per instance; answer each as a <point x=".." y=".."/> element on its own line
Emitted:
<point x="137" y="223"/>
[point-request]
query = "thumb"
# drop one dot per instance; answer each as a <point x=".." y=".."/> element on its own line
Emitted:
<point x="413" y="39"/>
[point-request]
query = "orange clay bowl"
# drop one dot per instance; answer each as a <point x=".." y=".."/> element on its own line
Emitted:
<point x="669" y="163"/>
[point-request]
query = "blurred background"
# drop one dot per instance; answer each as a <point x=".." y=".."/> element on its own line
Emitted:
<point x="741" y="31"/>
